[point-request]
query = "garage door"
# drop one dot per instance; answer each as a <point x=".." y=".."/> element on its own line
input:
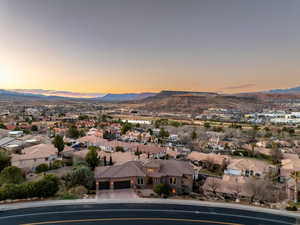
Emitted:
<point x="104" y="185"/>
<point x="122" y="184"/>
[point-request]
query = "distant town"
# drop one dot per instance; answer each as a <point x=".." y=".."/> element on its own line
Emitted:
<point x="68" y="149"/>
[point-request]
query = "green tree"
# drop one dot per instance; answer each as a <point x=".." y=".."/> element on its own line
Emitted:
<point x="120" y="149"/>
<point x="207" y="125"/>
<point x="80" y="175"/>
<point x="11" y="175"/>
<point x="4" y="160"/>
<point x="73" y="132"/>
<point x="47" y="186"/>
<point x="34" y="128"/>
<point x="163" y="133"/>
<point x="58" y="143"/>
<point x="193" y="135"/>
<point x="92" y="158"/>
<point x="110" y="161"/>
<point x="126" y="127"/>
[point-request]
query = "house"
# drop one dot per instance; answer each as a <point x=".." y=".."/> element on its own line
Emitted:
<point x="33" y="156"/>
<point x="247" y="167"/>
<point x="289" y="165"/>
<point x="227" y="186"/>
<point x="135" y="174"/>
<point x="201" y="158"/>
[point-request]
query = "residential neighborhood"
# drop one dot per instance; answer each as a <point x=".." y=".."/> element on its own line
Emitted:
<point x="93" y="152"/>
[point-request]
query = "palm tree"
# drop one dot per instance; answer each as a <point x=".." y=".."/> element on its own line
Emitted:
<point x="296" y="176"/>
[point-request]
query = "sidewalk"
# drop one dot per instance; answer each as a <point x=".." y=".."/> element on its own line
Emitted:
<point x="5" y="207"/>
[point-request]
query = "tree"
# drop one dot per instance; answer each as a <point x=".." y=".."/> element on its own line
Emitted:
<point x="4" y="160"/>
<point x="193" y="135"/>
<point x="58" y="143"/>
<point x="120" y="149"/>
<point x="256" y="188"/>
<point x="92" y="158"/>
<point x="80" y="175"/>
<point x="213" y="184"/>
<point x="207" y="125"/>
<point x="276" y="154"/>
<point x="47" y="186"/>
<point x="73" y="132"/>
<point x="34" y="128"/>
<point x="2" y="126"/>
<point x="295" y="175"/>
<point x="104" y="161"/>
<point x="12" y="175"/>
<point x="126" y="127"/>
<point x="163" y="133"/>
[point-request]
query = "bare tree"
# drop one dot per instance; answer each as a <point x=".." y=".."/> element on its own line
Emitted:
<point x="237" y="188"/>
<point x="213" y="184"/>
<point x="255" y="188"/>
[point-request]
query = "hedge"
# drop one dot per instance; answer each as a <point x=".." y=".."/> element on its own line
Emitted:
<point x="44" y="187"/>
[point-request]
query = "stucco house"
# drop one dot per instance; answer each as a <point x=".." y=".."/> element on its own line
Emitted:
<point x="33" y="156"/>
<point x="135" y="174"/>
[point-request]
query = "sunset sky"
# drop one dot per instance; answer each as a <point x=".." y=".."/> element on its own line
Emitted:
<point x="118" y="46"/>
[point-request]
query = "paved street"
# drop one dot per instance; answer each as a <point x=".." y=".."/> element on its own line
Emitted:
<point x="142" y="214"/>
<point x="117" y="194"/>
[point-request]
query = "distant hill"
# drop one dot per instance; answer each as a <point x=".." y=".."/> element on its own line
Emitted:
<point x="125" y="97"/>
<point x="60" y="95"/>
<point x="194" y="102"/>
<point x="288" y="90"/>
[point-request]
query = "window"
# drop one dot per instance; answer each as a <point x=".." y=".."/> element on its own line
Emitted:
<point x="172" y="180"/>
<point x="140" y="180"/>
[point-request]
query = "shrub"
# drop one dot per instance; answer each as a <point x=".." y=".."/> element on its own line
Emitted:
<point x="67" y="196"/>
<point x="81" y="175"/>
<point x="44" y="187"/>
<point x="11" y="175"/>
<point x="4" y="160"/>
<point x="120" y="149"/>
<point x="162" y="189"/>
<point x="291" y="208"/>
<point x="92" y="158"/>
<point x="42" y="168"/>
<point x="57" y="164"/>
<point x="78" y="191"/>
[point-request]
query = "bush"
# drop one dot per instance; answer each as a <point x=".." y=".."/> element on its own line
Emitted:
<point x="11" y="175"/>
<point x="78" y="191"/>
<point x="44" y="187"/>
<point x="120" y="149"/>
<point x="42" y="168"/>
<point x="162" y="189"/>
<point x="67" y="196"/>
<point x="57" y="164"/>
<point x="291" y="208"/>
<point x="81" y="175"/>
<point x="4" y="160"/>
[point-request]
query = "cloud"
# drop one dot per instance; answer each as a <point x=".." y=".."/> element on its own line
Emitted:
<point x="239" y="86"/>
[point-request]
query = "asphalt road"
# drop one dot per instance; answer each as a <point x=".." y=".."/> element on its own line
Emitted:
<point x="139" y="214"/>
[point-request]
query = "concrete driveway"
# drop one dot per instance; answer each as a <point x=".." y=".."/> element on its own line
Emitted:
<point x="117" y="194"/>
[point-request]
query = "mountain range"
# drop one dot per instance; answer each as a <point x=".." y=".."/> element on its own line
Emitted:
<point x="126" y="97"/>
<point x="65" y="95"/>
